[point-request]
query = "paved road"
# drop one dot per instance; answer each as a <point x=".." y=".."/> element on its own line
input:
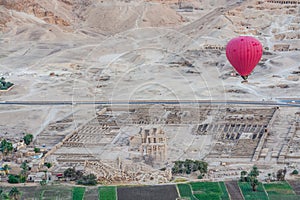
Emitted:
<point x="290" y="102"/>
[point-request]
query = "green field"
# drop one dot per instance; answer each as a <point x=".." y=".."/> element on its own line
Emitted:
<point x="107" y="193"/>
<point x="190" y="191"/>
<point x="280" y="190"/>
<point x="209" y="190"/>
<point x="248" y="194"/>
<point x="224" y="195"/>
<point x="185" y="191"/>
<point x="44" y="192"/>
<point x="203" y="190"/>
<point x="78" y="193"/>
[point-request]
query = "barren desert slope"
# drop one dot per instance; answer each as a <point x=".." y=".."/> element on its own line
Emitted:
<point x="138" y="50"/>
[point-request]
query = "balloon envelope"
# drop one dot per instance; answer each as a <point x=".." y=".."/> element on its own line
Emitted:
<point x="244" y="53"/>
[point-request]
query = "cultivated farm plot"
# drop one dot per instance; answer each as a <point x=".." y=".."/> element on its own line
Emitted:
<point x="203" y="190"/>
<point x="234" y="190"/>
<point x="78" y="193"/>
<point x="46" y="192"/>
<point x="163" y="192"/>
<point x="91" y="193"/>
<point x="107" y="193"/>
<point x="210" y="190"/>
<point x="28" y="192"/>
<point x="185" y="191"/>
<point x="280" y="190"/>
<point x="54" y="194"/>
<point x="248" y="194"/>
<point x="295" y="185"/>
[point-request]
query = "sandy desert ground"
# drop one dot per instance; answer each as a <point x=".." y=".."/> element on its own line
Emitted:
<point x="119" y="50"/>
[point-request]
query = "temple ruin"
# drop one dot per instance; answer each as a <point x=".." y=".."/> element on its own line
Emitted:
<point x="125" y="144"/>
<point x="151" y="143"/>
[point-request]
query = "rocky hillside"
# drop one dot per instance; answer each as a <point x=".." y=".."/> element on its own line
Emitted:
<point x="57" y="13"/>
<point x="105" y="17"/>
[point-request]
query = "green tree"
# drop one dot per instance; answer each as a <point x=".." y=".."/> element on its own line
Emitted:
<point x="189" y="166"/>
<point x="252" y="177"/>
<point x="37" y="150"/>
<point x="70" y="173"/>
<point x="24" y="167"/>
<point x="22" y="178"/>
<point x="28" y="139"/>
<point x="6" y="168"/>
<point x="254" y="171"/>
<point x="89" y="179"/>
<point x="281" y="174"/>
<point x="13" y="179"/>
<point x="6" y="147"/>
<point x="295" y="172"/>
<point x="47" y="164"/>
<point x="14" y="193"/>
<point x="201" y="166"/>
<point x="254" y="183"/>
<point x="243" y="176"/>
<point x="43" y="182"/>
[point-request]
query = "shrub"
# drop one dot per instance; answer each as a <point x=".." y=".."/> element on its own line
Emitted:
<point x="37" y="150"/>
<point x="295" y="172"/>
<point x="47" y="164"/>
<point x="89" y="179"/>
<point x="13" y="179"/>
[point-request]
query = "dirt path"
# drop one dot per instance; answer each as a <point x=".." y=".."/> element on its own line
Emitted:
<point x="234" y="190"/>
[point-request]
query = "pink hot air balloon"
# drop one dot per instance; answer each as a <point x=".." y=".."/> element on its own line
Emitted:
<point x="244" y="53"/>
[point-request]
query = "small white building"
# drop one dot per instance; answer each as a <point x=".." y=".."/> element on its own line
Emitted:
<point x="40" y="176"/>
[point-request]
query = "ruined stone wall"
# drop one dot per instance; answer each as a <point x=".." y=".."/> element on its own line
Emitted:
<point x="284" y="1"/>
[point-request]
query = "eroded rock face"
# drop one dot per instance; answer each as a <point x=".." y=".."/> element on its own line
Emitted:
<point x="4" y="18"/>
<point x="35" y="8"/>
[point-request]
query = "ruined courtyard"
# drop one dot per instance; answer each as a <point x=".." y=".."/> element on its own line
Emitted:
<point x="131" y="143"/>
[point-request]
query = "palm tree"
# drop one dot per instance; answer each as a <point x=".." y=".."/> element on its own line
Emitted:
<point x="14" y="193"/>
<point x="253" y="177"/>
